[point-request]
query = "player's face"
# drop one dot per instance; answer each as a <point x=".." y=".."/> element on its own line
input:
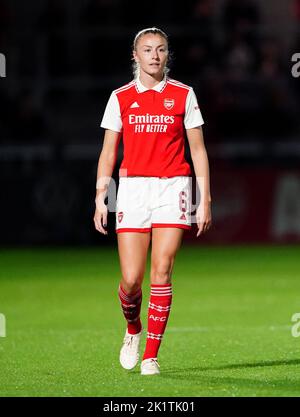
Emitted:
<point x="151" y="53"/>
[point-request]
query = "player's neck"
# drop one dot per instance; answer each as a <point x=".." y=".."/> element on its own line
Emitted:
<point x="150" y="81"/>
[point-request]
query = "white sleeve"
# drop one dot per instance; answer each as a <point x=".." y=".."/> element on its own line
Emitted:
<point x="193" y="116"/>
<point x="112" y="114"/>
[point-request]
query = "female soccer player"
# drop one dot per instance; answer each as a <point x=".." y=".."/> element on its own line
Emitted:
<point x="152" y="113"/>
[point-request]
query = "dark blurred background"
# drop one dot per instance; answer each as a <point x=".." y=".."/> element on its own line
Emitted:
<point x="63" y="59"/>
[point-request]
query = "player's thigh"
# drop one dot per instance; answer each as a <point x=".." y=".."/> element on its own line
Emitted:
<point x="165" y="243"/>
<point x="133" y="248"/>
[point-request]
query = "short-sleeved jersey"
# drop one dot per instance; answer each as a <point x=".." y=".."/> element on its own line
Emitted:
<point x="152" y="122"/>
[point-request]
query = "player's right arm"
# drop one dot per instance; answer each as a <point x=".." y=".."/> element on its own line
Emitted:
<point x="106" y="164"/>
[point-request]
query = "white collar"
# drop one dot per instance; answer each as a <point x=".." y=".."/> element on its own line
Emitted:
<point x="158" y="87"/>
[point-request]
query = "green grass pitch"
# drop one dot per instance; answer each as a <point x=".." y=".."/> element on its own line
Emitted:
<point x="229" y="331"/>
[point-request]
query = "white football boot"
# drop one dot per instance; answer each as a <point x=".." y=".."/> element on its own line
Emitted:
<point x="129" y="354"/>
<point x="150" y="367"/>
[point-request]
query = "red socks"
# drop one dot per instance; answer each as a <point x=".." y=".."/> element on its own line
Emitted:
<point x="158" y="314"/>
<point x="131" y="306"/>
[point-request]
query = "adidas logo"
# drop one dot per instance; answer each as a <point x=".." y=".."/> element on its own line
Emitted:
<point x="134" y="105"/>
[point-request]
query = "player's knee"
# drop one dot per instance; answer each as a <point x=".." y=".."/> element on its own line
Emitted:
<point x="131" y="283"/>
<point x="161" y="270"/>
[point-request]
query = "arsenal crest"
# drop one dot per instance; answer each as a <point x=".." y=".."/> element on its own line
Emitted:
<point x="169" y="103"/>
<point x="120" y="216"/>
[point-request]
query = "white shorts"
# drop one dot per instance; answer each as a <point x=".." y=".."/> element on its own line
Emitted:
<point x="146" y="202"/>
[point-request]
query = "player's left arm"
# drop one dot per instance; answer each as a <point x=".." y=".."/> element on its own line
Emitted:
<point x="201" y="168"/>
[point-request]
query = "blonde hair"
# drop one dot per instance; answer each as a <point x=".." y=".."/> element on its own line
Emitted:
<point x="154" y="31"/>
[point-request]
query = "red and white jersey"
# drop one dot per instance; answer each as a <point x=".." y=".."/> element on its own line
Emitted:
<point x="152" y="122"/>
